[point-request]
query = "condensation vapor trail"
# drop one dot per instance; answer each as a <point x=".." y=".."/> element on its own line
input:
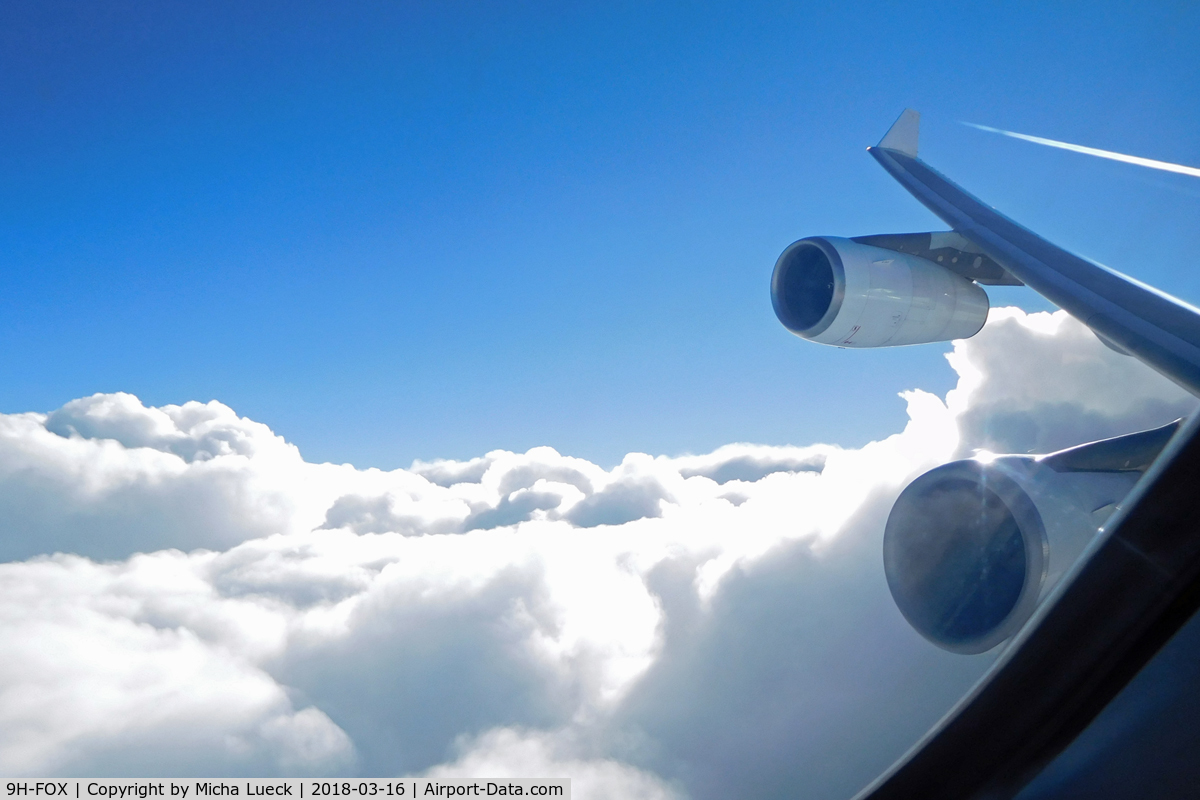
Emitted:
<point x="1166" y="166"/>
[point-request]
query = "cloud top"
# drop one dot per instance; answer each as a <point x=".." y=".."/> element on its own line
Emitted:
<point x="185" y="595"/>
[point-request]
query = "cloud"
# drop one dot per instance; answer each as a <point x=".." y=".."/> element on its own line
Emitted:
<point x="692" y="626"/>
<point x="105" y="477"/>
<point x="513" y="754"/>
<point x="1035" y="383"/>
<point x="750" y="463"/>
<point x="111" y="669"/>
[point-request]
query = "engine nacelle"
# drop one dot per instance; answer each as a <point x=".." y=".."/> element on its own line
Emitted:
<point x="972" y="547"/>
<point x="839" y="292"/>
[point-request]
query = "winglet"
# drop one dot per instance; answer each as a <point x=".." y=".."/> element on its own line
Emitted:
<point x="902" y="136"/>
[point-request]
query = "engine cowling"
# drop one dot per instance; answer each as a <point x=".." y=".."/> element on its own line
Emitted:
<point x="972" y="547"/>
<point x="839" y="292"/>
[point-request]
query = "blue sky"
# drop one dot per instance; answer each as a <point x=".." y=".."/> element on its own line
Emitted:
<point x="396" y="231"/>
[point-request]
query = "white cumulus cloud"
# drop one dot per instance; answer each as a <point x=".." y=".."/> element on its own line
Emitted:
<point x="185" y="595"/>
<point x="507" y="753"/>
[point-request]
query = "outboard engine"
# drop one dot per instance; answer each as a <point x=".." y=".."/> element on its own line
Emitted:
<point x="972" y="547"/>
<point x="844" y="293"/>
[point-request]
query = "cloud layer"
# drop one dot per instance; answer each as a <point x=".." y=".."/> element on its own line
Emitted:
<point x="186" y="595"/>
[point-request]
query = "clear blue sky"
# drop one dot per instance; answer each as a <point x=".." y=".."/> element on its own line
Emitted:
<point x="395" y="231"/>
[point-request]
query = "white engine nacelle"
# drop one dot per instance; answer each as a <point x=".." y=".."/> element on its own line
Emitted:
<point x="972" y="547"/>
<point x="839" y="292"/>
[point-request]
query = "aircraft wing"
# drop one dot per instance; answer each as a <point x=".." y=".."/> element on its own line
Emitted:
<point x="1158" y="329"/>
<point x="1134" y="587"/>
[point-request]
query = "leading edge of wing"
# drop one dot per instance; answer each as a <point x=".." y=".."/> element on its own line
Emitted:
<point x="1160" y="330"/>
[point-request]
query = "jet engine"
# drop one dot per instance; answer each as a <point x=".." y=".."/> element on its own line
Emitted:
<point x="972" y="547"/>
<point x="841" y="292"/>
